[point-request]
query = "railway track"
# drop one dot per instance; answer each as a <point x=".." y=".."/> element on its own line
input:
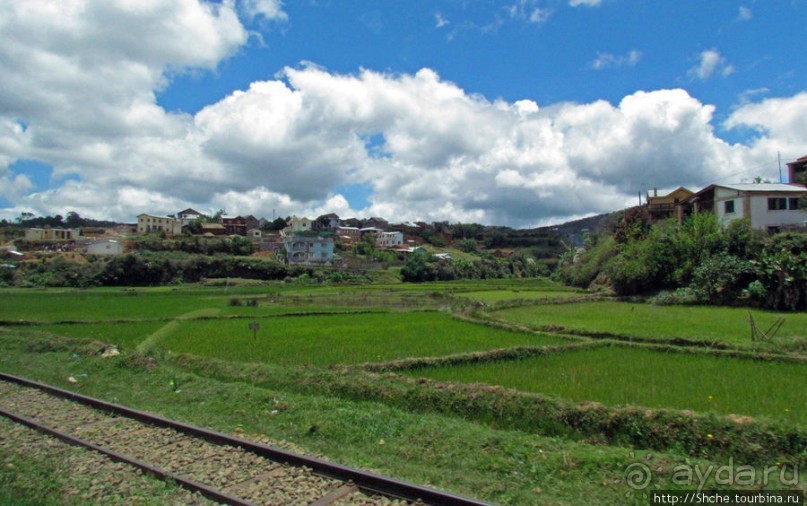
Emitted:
<point x="220" y="467"/>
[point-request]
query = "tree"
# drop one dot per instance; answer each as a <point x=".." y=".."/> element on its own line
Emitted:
<point x="782" y="270"/>
<point x="276" y="224"/>
<point x="73" y="220"/>
<point x="722" y="277"/>
<point x="24" y="216"/>
<point x="467" y="245"/>
<point x="418" y="268"/>
<point x="635" y="224"/>
<point x="698" y="238"/>
<point x="195" y="226"/>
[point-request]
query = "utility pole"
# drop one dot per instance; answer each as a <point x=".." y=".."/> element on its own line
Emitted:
<point x="779" y="159"/>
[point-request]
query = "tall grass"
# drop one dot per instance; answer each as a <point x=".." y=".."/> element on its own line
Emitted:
<point x="127" y="335"/>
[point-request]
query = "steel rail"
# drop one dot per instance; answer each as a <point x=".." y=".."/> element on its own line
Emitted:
<point x="370" y="482"/>
<point x="156" y="472"/>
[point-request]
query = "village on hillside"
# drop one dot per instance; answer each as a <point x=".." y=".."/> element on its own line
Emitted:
<point x="770" y="207"/>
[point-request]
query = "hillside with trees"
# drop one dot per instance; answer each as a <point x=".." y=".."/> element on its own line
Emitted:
<point x="696" y="261"/>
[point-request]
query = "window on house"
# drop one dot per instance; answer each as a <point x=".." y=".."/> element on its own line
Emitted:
<point x="777" y="203"/>
<point x="728" y="206"/>
<point x="794" y="203"/>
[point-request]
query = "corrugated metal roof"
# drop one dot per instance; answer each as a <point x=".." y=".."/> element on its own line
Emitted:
<point x="763" y="187"/>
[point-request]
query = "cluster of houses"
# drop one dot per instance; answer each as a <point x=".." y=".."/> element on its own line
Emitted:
<point x="770" y="207"/>
<point x="302" y="241"/>
<point x="72" y="239"/>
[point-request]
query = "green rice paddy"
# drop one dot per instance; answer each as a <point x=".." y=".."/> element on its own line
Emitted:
<point x="496" y="296"/>
<point x="699" y="323"/>
<point x="323" y="326"/>
<point x="629" y="376"/>
<point x="342" y="339"/>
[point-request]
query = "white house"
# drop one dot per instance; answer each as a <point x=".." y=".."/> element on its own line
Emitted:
<point x="51" y="234"/>
<point x="297" y="225"/>
<point x="188" y="215"/>
<point x="148" y="224"/>
<point x="389" y="239"/>
<point x="105" y="247"/>
<point x="768" y="205"/>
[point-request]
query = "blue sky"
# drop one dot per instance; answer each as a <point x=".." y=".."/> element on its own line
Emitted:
<point x="485" y="48"/>
<point x="520" y="112"/>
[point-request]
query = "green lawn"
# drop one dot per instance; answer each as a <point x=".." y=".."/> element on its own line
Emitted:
<point x="342" y="339"/>
<point x="702" y="323"/>
<point x="629" y="376"/>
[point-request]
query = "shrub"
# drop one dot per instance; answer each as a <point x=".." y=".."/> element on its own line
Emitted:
<point x="782" y="271"/>
<point x="634" y="225"/>
<point x="6" y="275"/>
<point x="418" y="268"/>
<point x="756" y="291"/>
<point x="743" y="241"/>
<point x="581" y="268"/>
<point x="467" y="245"/>
<point x="680" y="296"/>
<point x="640" y="267"/>
<point x="696" y="239"/>
<point x="721" y="278"/>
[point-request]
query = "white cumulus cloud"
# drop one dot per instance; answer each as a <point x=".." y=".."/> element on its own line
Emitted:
<point x="711" y="62"/>
<point x="608" y="60"/>
<point x="81" y="96"/>
<point x="269" y="9"/>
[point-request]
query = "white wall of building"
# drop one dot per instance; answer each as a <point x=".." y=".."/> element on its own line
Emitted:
<point x="755" y="205"/>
